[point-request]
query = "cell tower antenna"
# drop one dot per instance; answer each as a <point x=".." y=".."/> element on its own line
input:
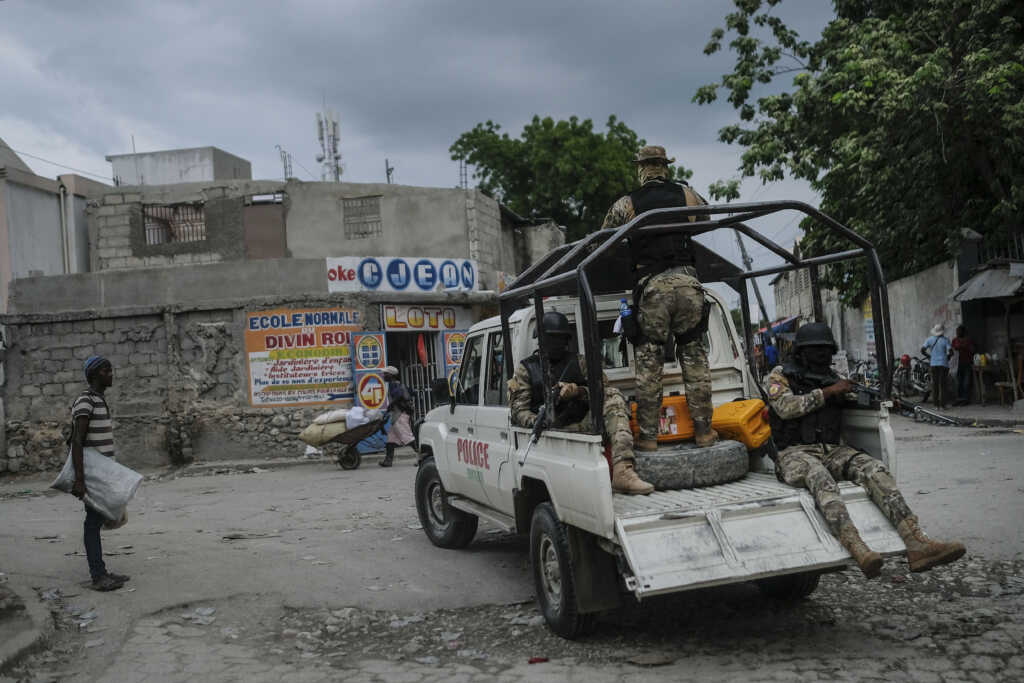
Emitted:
<point x="463" y="175"/>
<point x="286" y="162"/>
<point x="328" y="136"/>
<point x="388" y="170"/>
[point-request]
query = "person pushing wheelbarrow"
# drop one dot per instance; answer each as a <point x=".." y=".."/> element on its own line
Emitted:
<point x="399" y="405"/>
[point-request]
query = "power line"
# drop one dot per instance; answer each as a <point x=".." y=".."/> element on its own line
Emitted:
<point x="70" y="168"/>
<point x="311" y="176"/>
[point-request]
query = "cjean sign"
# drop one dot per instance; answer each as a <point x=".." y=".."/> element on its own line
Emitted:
<point x="400" y="274"/>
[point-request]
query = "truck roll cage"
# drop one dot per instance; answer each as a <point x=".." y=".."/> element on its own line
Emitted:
<point x="598" y="265"/>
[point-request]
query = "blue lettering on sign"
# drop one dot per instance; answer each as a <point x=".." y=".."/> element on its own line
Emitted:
<point x="425" y="274"/>
<point x="398" y="274"/>
<point x="449" y="275"/>
<point x="468" y="276"/>
<point x="370" y="273"/>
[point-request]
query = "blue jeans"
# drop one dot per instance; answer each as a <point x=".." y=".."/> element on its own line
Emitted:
<point x="93" y="547"/>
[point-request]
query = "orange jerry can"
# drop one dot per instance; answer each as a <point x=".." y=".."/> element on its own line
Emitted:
<point x="673" y="425"/>
<point x="742" y="421"/>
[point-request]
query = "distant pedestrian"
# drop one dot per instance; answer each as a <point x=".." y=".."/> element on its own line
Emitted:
<point x="401" y="409"/>
<point x="93" y="428"/>
<point x="938" y="349"/>
<point x="771" y="352"/>
<point x="964" y="347"/>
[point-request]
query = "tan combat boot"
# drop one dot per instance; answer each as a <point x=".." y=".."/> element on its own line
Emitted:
<point x="647" y="445"/>
<point x="703" y="434"/>
<point x="868" y="560"/>
<point x="922" y="552"/>
<point x="625" y="480"/>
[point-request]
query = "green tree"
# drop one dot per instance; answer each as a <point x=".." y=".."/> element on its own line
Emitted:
<point x="907" y="118"/>
<point x="562" y="170"/>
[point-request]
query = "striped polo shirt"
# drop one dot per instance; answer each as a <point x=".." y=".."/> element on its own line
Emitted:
<point x="101" y="430"/>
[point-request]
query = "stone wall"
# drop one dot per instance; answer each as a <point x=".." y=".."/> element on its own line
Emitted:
<point x="180" y="385"/>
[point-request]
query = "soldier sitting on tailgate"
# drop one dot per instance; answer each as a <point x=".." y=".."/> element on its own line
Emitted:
<point x="670" y="301"/>
<point x="569" y="370"/>
<point x="807" y="400"/>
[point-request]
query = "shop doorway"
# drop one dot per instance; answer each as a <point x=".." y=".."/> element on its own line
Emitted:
<point x="416" y="354"/>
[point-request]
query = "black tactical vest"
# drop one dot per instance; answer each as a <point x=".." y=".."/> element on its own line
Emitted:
<point x="668" y="250"/>
<point x="820" y="426"/>
<point x="568" y="370"/>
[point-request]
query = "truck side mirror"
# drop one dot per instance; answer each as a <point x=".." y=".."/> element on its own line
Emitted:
<point x="439" y="390"/>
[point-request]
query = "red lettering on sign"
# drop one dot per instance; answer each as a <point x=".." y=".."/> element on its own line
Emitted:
<point x="341" y="274"/>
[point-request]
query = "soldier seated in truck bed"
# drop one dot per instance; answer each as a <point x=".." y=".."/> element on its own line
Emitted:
<point x="526" y="395"/>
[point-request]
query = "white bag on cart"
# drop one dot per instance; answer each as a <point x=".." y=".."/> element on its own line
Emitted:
<point x="108" y="484"/>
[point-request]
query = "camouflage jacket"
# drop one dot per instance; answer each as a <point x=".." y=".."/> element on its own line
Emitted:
<point x="622" y="212"/>
<point x="788" y="405"/>
<point x="520" y="392"/>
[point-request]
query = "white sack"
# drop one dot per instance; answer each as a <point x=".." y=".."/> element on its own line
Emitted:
<point x="331" y="416"/>
<point x="109" y="485"/>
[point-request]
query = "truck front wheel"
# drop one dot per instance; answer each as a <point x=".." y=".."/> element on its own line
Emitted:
<point x="445" y="526"/>
<point x="554" y="576"/>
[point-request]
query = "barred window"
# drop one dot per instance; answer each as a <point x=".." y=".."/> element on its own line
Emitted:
<point x="174" y="223"/>
<point x="361" y="216"/>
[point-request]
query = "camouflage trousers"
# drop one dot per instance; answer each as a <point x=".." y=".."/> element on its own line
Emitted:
<point x="818" y="471"/>
<point x="616" y="425"/>
<point x="671" y="305"/>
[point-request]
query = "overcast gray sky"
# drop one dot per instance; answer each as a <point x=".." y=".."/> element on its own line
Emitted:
<point x="79" y="79"/>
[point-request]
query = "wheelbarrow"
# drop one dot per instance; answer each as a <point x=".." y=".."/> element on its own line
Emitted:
<point x="349" y="457"/>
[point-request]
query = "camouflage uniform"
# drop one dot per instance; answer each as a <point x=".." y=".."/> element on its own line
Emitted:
<point x="818" y="467"/>
<point x="622" y="212"/>
<point x="616" y="415"/>
<point x="671" y="304"/>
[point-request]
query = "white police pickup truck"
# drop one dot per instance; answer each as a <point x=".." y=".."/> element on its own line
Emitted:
<point x="590" y="547"/>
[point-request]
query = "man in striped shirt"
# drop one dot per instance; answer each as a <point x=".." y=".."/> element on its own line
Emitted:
<point x="93" y="428"/>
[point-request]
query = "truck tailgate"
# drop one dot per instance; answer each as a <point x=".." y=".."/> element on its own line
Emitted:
<point x="747" y="529"/>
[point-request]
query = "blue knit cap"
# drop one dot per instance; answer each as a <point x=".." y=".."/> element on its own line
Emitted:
<point x="94" y="363"/>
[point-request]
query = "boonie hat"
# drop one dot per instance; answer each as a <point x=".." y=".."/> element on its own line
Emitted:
<point x="938" y="330"/>
<point x="652" y="153"/>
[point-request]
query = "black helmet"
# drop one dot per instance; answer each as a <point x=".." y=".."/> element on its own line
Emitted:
<point x="815" y="334"/>
<point x="556" y="323"/>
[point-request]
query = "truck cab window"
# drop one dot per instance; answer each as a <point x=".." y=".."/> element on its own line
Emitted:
<point x="469" y="373"/>
<point x="496" y="393"/>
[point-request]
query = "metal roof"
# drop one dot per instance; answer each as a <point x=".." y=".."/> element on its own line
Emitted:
<point x="993" y="283"/>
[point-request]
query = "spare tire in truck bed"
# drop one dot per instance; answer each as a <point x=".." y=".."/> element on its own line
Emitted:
<point x="685" y="466"/>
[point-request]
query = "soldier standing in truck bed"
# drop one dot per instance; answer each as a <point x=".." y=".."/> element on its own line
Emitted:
<point x="669" y="298"/>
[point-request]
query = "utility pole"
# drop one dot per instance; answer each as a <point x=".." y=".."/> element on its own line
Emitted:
<point x="388" y="170"/>
<point x="748" y="263"/>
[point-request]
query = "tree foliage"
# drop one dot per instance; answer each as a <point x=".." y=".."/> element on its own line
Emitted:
<point x="562" y="170"/>
<point x="906" y="116"/>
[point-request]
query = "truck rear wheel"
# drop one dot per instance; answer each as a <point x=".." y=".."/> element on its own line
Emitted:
<point x="554" y="576"/>
<point x="685" y="466"/>
<point x="790" y="587"/>
<point x="445" y="526"/>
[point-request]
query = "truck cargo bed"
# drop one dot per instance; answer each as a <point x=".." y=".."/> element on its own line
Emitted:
<point x="747" y="529"/>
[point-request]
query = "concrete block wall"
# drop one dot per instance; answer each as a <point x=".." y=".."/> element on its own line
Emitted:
<point x="117" y="228"/>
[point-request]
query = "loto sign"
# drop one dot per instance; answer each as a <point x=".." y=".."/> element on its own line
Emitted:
<point x="427" y="318"/>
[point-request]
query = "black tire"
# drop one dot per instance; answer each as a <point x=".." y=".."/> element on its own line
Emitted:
<point x="349" y="458"/>
<point x="554" y="577"/>
<point x="685" y="466"/>
<point x="790" y="587"/>
<point x="445" y="526"/>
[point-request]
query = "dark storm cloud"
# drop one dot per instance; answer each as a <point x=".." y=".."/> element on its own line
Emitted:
<point x="406" y="78"/>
